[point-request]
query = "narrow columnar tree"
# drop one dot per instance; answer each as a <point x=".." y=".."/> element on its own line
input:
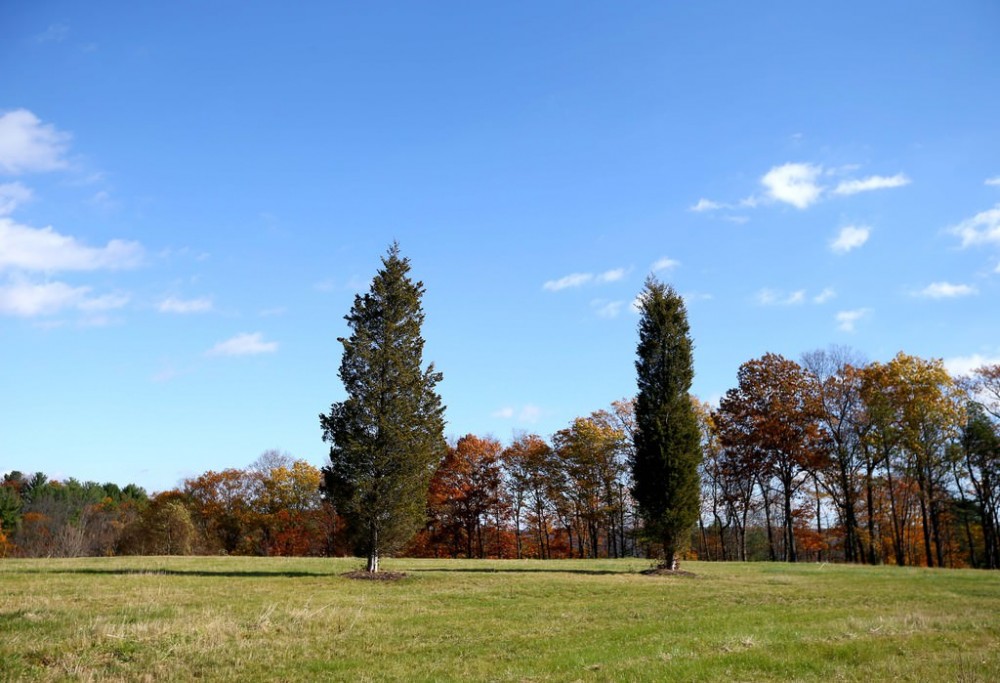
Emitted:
<point x="667" y="438"/>
<point x="387" y="436"/>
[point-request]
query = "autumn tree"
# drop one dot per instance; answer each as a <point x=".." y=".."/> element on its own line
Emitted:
<point x="589" y="455"/>
<point x="770" y="418"/>
<point x="387" y="436"/>
<point x="527" y="464"/>
<point x="667" y="438"/>
<point x="835" y="383"/>
<point x="467" y="493"/>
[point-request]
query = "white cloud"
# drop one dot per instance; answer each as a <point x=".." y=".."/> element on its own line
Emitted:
<point x="665" y="264"/>
<point x="847" y="320"/>
<point x="982" y="228"/>
<point x="965" y="365"/>
<point x="875" y="182"/>
<point x="773" y="297"/>
<point x="172" y="305"/>
<point x="993" y="181"/>
<point x="706" y="205"/>
<point x="793" y="184"/>
<point x="12" y="195"/>
<point x="850" y="237"/>
<point x="824" y="296"/>
<point x="612" y="275"/>
<point x="799" y="184"/>
<point x="28" y="145"/>
<point x="607" y="309"/>
<point x="692" y="297"/>
<point x="580" y="279"/>
<point x="103" y="303"/>
<point x="55" y="33"/>
<point x="738" y="220"/>
<point x="43" y="249"/>
<point x="27" y="300"/>
<point x="573" y="280"/>
<point x="946" y="290"/>
<point x="527" y="414"/>
<point x="245" y="344"/>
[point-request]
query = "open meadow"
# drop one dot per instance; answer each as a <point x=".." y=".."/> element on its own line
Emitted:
<point x="245" y="619"/>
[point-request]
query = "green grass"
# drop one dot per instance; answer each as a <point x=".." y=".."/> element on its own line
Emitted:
<point x="270" y="619"/>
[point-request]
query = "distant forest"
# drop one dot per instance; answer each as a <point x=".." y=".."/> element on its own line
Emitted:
<point x="826" y="459"/>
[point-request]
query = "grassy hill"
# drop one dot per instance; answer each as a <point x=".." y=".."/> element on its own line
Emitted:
<point x="245" y="619"/>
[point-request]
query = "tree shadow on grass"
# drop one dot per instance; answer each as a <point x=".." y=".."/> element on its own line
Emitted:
<point x="523" y="570"/>
<point x="225" y="573"/>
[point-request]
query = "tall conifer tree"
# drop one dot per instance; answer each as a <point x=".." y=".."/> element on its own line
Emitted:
<point x="667" y="440"/>
<point x="387" y="437"/>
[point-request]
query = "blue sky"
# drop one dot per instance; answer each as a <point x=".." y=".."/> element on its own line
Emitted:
<point x="192" y="192"/>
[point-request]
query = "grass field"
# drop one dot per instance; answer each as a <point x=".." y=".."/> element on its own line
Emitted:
<point x="245" y="619"/>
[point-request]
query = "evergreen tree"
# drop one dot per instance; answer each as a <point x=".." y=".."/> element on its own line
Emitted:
<point x="667" y="440"/>
<point x="387" y="436"/>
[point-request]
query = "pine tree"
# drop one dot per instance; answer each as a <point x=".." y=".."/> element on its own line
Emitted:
<point x="387" y="436"/>
<point x="667" y="441"/>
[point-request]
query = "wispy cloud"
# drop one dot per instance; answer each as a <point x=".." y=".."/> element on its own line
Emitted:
<point x="580" y="279"/>
<point x="706" y="205"/>
<point x="245" y="344"/>
<point x="826" y="295"/>
<point x="773" y="297"/>
<point x="946" y="290"/>
<point x="850" y="237"/>
<point x="983" y="228"/>
<point x="27" y="145"/>
<point x="27" y="299"/>
<point x="568" y="281"/>
<point x="665" y="264"/>
<point x="799" y="184"/>
<point x="607" y="309"/>
<point x="527" y="414"/>
<point x="13" y="195"/>
<point x="995" y="181"/>
<point x="847" y="320"/>
<point x="875" y="182"/>
<point x="611" y="275"/>
<point x="45" y="250"/>
<point x="173" y="305"/>
<point x="794" y="184"/>
<point x="55" y="33"/>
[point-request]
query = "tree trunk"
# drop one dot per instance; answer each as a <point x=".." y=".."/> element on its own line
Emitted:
<point x="772" y="555"/>
<point x="670" y="560"/>
<point x="790" y="554"/>
<point x="925" y="521"/>
<point x="373" y="551"/>
<point x="819" y="520"/>
<point x="897" y="523"/>
<point x="873" y="556"/>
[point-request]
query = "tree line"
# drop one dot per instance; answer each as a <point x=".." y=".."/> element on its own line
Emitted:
<point x="827" y="459"/>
